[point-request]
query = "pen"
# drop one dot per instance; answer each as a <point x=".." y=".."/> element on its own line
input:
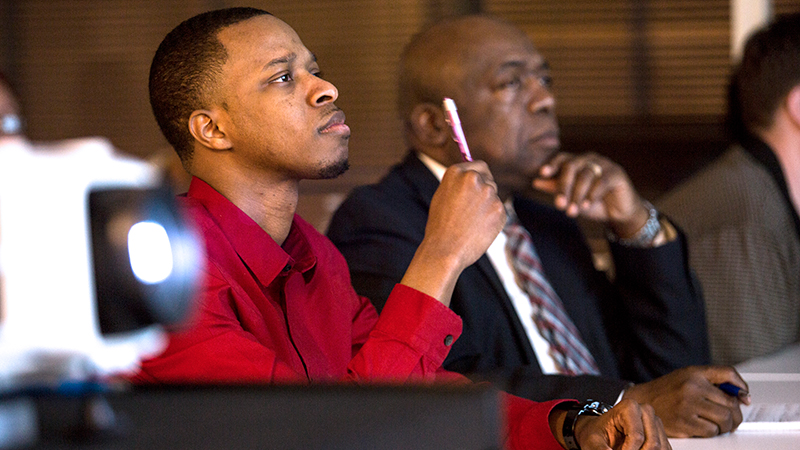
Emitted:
<point x="735" y="391"/>
<point x="451" y="116"/>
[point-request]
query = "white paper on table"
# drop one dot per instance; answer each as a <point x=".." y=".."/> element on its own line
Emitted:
<point x="771" y="416"/>
<point x="776" y="402"/>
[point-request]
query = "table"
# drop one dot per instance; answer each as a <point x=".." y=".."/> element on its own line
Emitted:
<point x="786" y="360"/>
<point x="771" y="379"/>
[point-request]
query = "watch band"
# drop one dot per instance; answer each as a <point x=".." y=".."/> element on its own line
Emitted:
<point x="646" y="235"/>
<point x="575" y="410"/>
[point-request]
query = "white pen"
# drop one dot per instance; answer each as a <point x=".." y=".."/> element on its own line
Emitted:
<point x="451" y="116"/>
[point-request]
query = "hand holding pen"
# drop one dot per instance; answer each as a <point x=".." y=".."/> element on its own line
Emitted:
<point x="735" y="391"/>
<point x="690" y="401"/>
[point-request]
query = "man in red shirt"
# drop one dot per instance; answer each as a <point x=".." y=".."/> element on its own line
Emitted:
<point x="240" y="99"/>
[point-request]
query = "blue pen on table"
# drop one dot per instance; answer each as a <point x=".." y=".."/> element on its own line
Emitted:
<point x="735" y="391"/>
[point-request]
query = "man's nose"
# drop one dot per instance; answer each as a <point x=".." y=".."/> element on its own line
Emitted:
<point x="322" y="92"/>
<point x="542" y="99"/>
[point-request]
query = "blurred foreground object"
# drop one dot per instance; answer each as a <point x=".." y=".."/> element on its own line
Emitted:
<point x="93" y="260"/>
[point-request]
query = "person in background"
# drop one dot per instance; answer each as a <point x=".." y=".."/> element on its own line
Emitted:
<point x="740" y="213"/>
<point x="537" y="315"/>
<point x="241" y="100"/>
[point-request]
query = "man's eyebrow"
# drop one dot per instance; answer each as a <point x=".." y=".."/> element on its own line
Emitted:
<point x="287" y="59"/>
<point x="514" y="64"/>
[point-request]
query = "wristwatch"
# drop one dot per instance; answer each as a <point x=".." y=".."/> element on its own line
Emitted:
<point x="575" y="410"/>
<point x="646" y="235"/>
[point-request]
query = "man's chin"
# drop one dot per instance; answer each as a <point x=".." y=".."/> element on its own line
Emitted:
<point x="334" y="170"/>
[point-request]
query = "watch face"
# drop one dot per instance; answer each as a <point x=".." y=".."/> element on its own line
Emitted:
<point x="595" y="408"/>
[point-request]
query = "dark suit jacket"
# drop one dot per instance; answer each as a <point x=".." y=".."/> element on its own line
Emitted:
<point x="649" y="322"/>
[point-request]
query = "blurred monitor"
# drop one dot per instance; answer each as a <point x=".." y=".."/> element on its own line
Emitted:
<point x="320" y="417"/>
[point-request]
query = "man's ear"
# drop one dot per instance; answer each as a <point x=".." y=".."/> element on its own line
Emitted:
<point x="793" y="106"/>
<point x="428" y="124"/>
<point x="204" y="126"/>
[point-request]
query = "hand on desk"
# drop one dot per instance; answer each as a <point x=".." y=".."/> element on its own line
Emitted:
<point x="628" y="426"/>
<point x="689" y="401"/>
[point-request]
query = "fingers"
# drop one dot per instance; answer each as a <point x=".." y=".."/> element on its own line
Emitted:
<point x="690" y="402"/>
<point x="655" y="436"/>
<point x="631" y="427"/>
<point x="481" y="168"/>
<point x="642" y="429"/>
<point x="576" y="181"/>
<point x="627" y="426"/>
<point x="728" y="374"/>
<point x="721" y="408"/>
<point x="466" y="214"/>
<point x="714" y="418"/>
<point x="589" y="185"/>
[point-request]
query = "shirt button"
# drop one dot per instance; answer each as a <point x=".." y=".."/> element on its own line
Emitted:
<point x="448" y="340"/>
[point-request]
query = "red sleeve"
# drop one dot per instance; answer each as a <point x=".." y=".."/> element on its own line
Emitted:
<point x="528" y="423"/>
<point x="408" y="342"/>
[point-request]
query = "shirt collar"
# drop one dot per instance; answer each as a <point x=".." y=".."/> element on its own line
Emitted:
<point x="434" y="166"/>
<point x="265" y="258"/>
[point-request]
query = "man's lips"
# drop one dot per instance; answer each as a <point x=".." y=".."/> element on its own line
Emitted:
<point x="547" y="135"/>
<point x="335" y="124"/>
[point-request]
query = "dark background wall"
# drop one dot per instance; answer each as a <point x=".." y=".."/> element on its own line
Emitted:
<point x="641" y="81"/>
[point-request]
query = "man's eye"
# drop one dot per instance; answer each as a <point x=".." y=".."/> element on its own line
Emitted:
<point x="511" y="83"/>
<point x="285" y="78"/>
<point x="546" y="81"/>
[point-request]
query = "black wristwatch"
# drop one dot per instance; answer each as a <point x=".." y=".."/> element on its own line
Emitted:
<point x="575" y="410"/>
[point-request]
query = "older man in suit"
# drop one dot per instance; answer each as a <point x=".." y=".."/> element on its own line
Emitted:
<point x="545" y="321"/>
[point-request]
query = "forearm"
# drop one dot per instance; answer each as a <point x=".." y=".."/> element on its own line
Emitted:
<point x="433" y="272"/>
<point x="660" y="311"/>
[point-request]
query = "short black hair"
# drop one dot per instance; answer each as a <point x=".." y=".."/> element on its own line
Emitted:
<point x="769" y="69"/>
<point x="183" y="72"/>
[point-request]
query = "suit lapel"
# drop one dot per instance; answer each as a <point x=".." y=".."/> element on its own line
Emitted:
<point x="486" y="269"/>
<point x="419" y="177"/>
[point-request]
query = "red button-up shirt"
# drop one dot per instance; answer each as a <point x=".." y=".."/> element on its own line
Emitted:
<point x="271" y="313"/>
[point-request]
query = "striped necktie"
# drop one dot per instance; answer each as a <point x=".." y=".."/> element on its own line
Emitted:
<point x="566" y="347"/>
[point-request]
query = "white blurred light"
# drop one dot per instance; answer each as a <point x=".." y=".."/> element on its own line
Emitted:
<point x="150" y="252"/>
<point x="10" y="124"/>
